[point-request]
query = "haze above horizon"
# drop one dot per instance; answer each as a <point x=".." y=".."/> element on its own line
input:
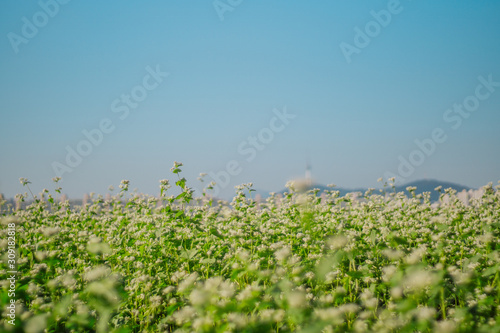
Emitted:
<point x="248" y="92"/>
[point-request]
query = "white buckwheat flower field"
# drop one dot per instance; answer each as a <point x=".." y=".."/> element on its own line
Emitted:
<point x="301" y="262"/>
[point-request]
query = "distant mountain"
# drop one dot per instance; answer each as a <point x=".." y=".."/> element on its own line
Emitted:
<point x="430" y="185"/>
<point x="421" y="185"/>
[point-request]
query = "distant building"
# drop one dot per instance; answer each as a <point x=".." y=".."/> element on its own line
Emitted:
<point x="85" y="199"/>
<point x="302" y="185"/>
<point x="308" y="177"/>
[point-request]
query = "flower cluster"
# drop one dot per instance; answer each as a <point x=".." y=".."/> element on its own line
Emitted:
<point x="301" y="262"/>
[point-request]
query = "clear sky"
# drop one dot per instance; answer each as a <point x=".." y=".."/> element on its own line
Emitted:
<point x="355" y="84"/>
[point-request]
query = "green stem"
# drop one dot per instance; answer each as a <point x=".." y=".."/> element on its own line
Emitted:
<point x="443" y="305"/>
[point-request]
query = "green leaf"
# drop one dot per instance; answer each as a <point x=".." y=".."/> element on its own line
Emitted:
<point x="400" y="240"/>
<point x="181" y="182"/>
<point x="216" y="233"/>
<point x="182" y="195"/>
<point x="189" y="254"/>
<point x="355" y="274"/>
<point x="208" y="261"/>
<point x="490" y="271"/>
<point x="237" y="273"/>
<point x="62" y="308"/>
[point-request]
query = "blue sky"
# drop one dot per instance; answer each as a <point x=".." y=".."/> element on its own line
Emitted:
<point x="227" y="79"/>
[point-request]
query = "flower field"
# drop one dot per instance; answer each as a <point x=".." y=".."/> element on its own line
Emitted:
<point x="297" y="263"/>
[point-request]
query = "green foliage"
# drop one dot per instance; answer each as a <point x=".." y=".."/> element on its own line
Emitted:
<point x="300" y="263"/>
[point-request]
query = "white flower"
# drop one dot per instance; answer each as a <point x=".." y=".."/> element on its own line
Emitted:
<point x="97" y="273"/>
<point x="425" y="313"/>
<point x="445" y="326"/>
<point x="226" y="289"/>
<point x="282" y="253"/>
<point x="416" y="256"/>
<point x="330" y="276"/>
<point x="397" y="292"/>
<point x="392" y="254"/>
<point x="297" y="299"/>
<point x="198" y="297"/>
<point x="36" y="324"/>
<point x="24" y="181"/>
<point x="360" y="326"/>
<point x="239" y="320"/>
<point x="41" y="255"/>
<point x="184" y="315"/>
<point x="248" y="292"/>
<point x="50" y="231"/>
<point x="330" y="314"/>
<point x="155" y="300"/>
<point x="337" y="242"/>
<point x="188" y="282"/>
<point x="418" y="280"/>
<point x="388" y="272"/>
<point x="349" y="308"/>
<point x="124" y="185"/>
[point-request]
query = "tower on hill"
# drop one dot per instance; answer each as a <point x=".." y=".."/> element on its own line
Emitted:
<point x="308" y="178"/>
